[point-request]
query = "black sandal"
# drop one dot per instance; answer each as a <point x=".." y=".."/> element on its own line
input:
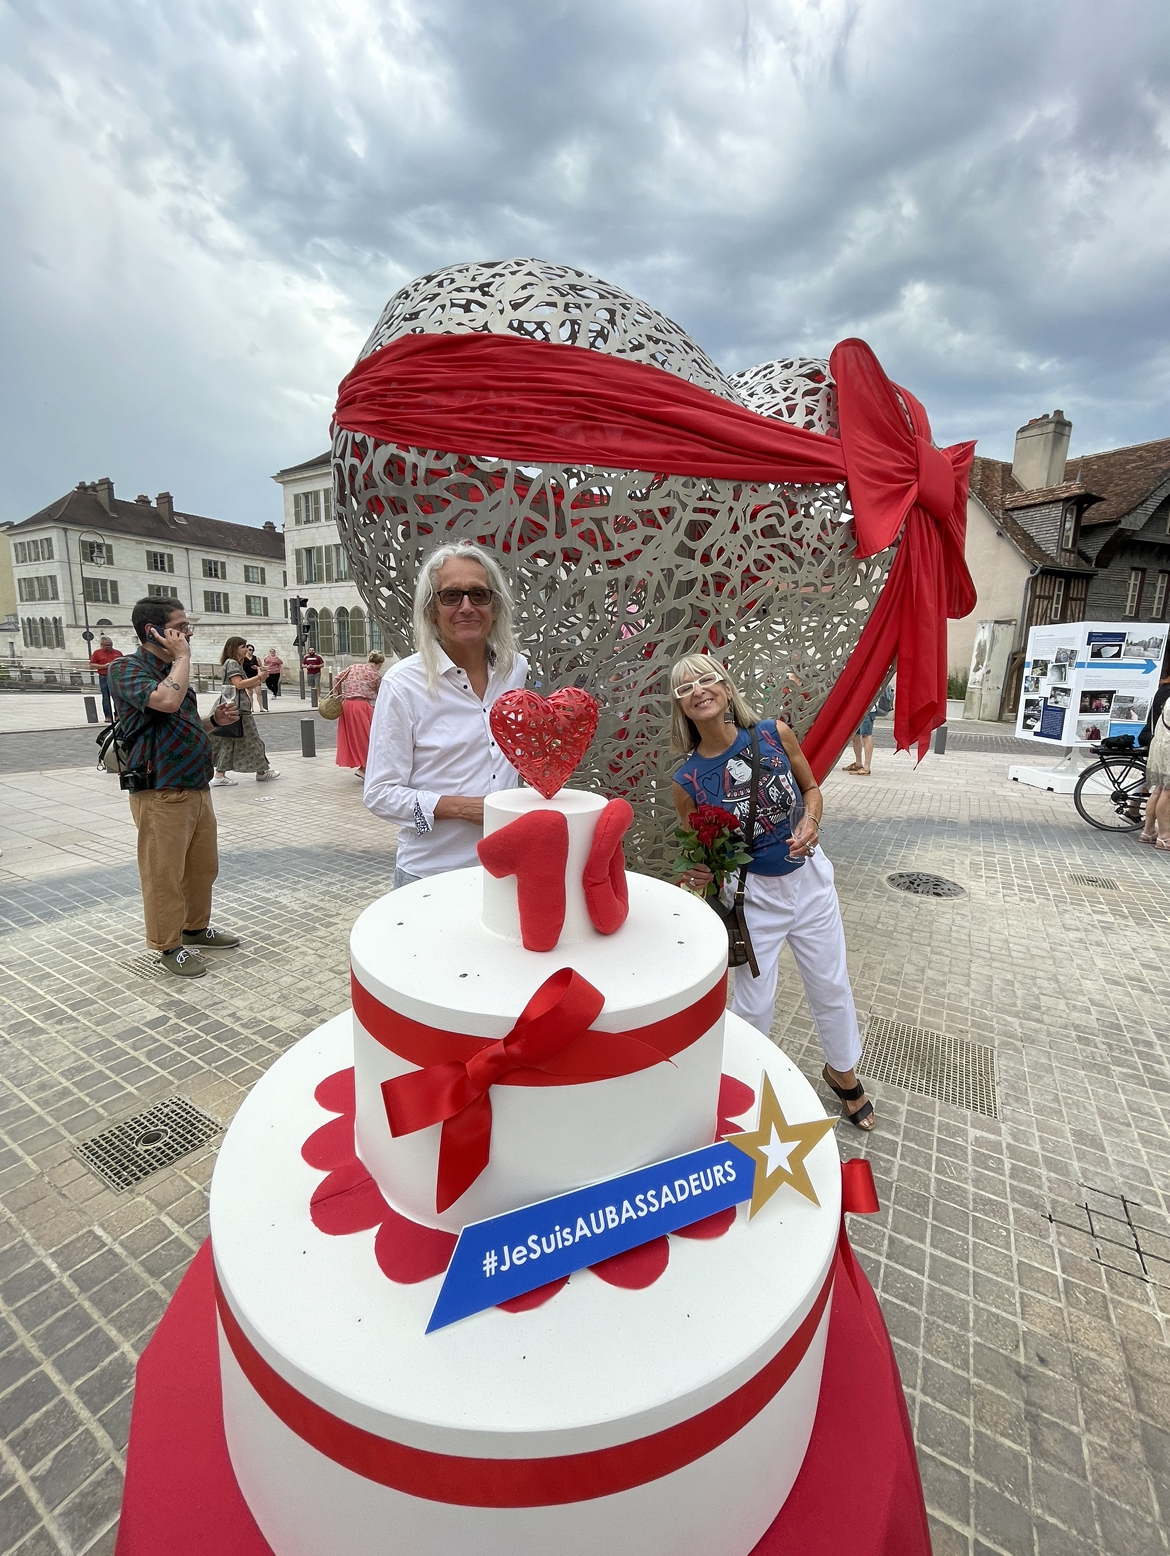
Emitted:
<point x="858" y="1118"/>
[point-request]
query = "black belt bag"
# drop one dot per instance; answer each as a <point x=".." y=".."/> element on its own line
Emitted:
<point x="739" y="942"/>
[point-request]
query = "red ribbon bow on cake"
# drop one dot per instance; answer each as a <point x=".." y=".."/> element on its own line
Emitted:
<point x="551" y="1034"/>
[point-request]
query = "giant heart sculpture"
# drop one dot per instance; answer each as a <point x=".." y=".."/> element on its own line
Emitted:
<point x="793" y="519"/>
<point x="544" y="738"/>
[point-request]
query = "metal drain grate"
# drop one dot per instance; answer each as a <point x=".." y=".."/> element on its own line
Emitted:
<point x="1100" y="882"/>
<point x="923" y="885"/>
<point x="148" y="965"/>
<point x="950" y="1069"/>
<point x="126" y="1153"/>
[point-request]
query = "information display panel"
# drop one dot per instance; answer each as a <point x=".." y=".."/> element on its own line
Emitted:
<point x="1086" y="680"/>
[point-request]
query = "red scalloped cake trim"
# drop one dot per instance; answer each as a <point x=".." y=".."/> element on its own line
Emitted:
<point x="347" y="1200"/>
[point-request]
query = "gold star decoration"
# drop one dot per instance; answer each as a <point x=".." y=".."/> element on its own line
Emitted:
<point x="778" y="1150"/>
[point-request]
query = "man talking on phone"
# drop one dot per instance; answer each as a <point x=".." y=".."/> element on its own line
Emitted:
<point x="167" y="772"/>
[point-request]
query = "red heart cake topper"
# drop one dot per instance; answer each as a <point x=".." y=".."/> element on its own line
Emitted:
<point x="545" y="738"/>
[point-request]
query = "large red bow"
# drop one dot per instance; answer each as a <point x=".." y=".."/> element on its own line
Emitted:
<point x="525" y="400"/>
<point x="455" y="1092"/>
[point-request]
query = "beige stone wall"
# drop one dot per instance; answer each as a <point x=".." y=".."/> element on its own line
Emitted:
<point x="999" y="572"/>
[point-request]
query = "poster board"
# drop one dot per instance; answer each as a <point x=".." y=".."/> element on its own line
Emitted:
<point x="1085" y="680"/>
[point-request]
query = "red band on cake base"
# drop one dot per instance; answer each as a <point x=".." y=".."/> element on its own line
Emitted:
<point x="471" y="1482"/>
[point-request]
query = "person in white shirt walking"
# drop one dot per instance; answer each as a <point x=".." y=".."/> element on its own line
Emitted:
<point x="432" y="755"/>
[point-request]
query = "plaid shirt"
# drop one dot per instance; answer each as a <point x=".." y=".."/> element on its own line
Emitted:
<point x="173" y="745"/>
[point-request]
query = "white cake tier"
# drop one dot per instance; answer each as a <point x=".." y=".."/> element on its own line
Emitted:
<point x="423" y="952"/>
<point x="581" y="810"/>
<point x="322" y="1343"/>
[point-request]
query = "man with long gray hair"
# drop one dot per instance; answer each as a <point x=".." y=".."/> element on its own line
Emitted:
<point x="433" y="756"/>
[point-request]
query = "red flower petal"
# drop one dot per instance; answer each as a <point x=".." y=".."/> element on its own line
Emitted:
<point x="536" y="1298"/>
<point x="348" y="1200"/>
<point x="710" y="1226"/>
<point x="331" y="1145"/>
<point x="407" y="1252"/>
<point x="734" y="1098"/>
<point x="637" y="1267"/>
<point x="336" y="1094"/>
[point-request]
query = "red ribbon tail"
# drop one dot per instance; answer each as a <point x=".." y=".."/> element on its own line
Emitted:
<point x="858" y="1197"/>
<point x="424" y="1097"/>
<point x="464" y="1149"/>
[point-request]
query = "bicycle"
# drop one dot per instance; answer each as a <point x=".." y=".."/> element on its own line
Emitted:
<point x="1110" y="794"/>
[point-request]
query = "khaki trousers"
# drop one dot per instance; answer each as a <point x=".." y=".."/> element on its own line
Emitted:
<point x="178" y="861"/>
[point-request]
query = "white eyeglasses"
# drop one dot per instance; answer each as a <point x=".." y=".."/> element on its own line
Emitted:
<point x="704" y="681"/>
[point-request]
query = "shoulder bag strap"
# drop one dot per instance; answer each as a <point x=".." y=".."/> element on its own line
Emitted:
<point x="753" y="799"/>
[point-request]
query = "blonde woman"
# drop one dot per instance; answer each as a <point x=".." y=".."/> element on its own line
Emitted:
<point x="790" y="896"/>
<point x="246" y="755"/>
<point x="357" y="687"/>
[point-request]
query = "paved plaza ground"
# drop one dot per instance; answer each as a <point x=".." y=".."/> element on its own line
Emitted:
<point x="1031" y="1331"/>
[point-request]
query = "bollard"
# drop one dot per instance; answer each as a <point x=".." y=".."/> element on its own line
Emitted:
<point x="313" y="693"/>
<point x="308" y="738"/>
<point x="90" y="709"/>
<point x="264" y="700"/>
<point x="940" y="740"/>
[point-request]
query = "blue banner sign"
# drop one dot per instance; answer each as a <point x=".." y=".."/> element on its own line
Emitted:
<point x="511" y="1254"/>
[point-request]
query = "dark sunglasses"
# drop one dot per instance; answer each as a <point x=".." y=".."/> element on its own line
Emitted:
<point x="452" y="597"/>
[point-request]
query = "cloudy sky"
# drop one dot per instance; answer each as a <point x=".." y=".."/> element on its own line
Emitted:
<point x="205" y="204"/>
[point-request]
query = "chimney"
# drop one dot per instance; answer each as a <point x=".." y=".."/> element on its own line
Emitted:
<point x="270" y="526"/>
<point x="105" y="491"/>
<point x="1041" y="450"/>
<point x="165" y="504"/>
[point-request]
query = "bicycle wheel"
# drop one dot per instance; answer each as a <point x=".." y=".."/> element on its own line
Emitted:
<point x="1109" y="794"/>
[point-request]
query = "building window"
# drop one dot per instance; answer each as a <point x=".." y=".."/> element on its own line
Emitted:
<point x="42" y="632"/>
<point x="1057" y="600"/>
<point x="284" y="578"/>
<point x="34" y="550"/>
<point x="309" y="628"/>
<point x="376" y="641"/>
<point x="325" y="632"/>
<point x="214" y="569"/>
<point x="214" y="601"/>
<point x="340" y="564"/>
<point x="316" y="564"/>
<point x="100" y="591"/>
<point x="1133" y="599"/>
<point x="1068" y="534"/>
<point x="161" y="592"/>
<point x="312" y="507"/>
<point x="1161" y="591"/>
<point x="357" y="631"/>
<point x="254" y="574"/>
<point x="43" y="588"/>
<point x="255" y="605"/>
<point x="160" y="562"/>
<point x="342" y="630"/>
<point x="286" y="610"/>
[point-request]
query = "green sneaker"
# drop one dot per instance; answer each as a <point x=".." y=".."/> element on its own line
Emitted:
<point x="219" y="939"/>
<point x="184" y="963"/>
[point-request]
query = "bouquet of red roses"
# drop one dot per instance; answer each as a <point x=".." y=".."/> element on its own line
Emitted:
<point x="710" y="836"/>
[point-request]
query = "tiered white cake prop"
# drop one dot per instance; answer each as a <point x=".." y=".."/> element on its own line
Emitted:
<point x="664" y="1421"/>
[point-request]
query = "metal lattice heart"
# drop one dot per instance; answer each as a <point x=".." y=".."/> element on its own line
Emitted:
<point x="545" y="738"/>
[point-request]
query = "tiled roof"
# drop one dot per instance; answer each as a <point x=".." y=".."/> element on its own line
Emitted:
<point x="992" y="482"/>
<point x="86" y="510"/>
<point x="1123" y="476"/>
<point x="997" y="489"/>
<point x="1036" y="496"/>
<point x="322" y="462"/>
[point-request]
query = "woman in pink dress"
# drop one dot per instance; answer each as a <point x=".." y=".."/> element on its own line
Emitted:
<point x="358" y="689"/>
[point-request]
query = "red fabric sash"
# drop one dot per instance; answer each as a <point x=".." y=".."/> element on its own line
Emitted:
<point x="512" y="398"/>
<point x="572" y="1477"/>
<point x="551" y="1044"/>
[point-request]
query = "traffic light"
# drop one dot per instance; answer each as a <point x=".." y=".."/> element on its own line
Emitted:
<point x="295" y="606"/>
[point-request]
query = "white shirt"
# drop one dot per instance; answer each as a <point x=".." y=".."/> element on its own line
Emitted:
<point x="424" y="744"/>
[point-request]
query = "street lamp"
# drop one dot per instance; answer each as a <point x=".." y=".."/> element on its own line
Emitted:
<point x="88" y="537"/>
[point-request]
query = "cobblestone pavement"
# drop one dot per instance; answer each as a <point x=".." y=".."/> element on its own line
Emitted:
<point x="1031" y="1340"/>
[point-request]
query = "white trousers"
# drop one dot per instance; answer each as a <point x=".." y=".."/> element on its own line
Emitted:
<point x="802" y="909"/>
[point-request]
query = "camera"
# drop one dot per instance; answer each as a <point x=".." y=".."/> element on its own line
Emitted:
<point x="135" y="779"/>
